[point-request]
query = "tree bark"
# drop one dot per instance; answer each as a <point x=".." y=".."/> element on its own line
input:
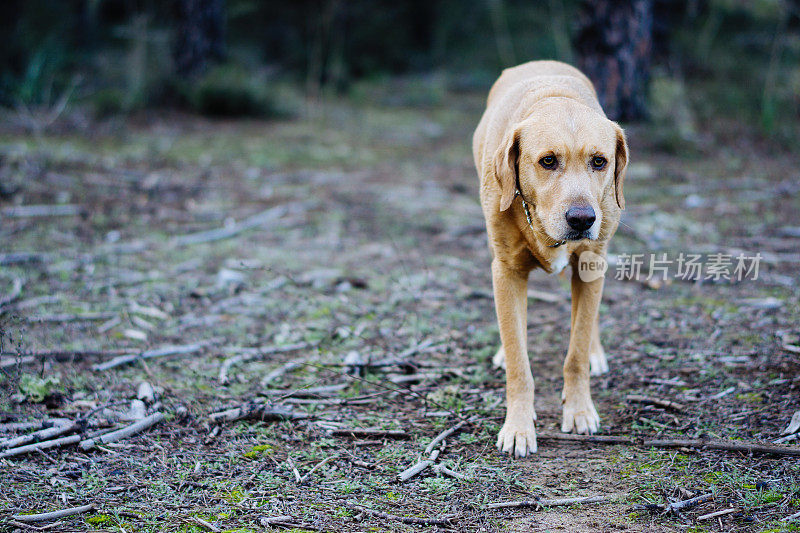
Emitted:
<point x="614" y="43"/>
<point x="200" y="35"/>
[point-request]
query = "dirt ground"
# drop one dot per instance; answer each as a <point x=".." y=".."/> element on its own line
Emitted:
<point x="352" y="243"/>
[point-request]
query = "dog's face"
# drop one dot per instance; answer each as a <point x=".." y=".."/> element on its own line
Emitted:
<point x="565" y="157"/>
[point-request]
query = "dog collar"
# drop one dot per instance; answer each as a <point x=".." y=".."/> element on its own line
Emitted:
<point x="530" y="222"/>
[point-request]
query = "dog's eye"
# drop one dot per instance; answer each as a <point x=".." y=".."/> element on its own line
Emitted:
<point x="549" y="162"/>
<point x="598" y="162"/>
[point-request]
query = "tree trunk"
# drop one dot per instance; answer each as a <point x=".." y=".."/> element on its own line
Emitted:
<point x="200" y="35"/>
<point x="614" y="44"/>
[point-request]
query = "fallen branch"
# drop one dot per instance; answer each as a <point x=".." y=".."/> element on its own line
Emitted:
<point x="256" y="411"/>
<point x="41" y="435"/>
<point x="281" y="370"/>
<point x="538" y="504"/>
<point x="123" y="433"/>
<point x="43" y="210"/>
<point x="305" y="476"/>
<point x="687" y="504"/>
<point x="204" y="523"/>
<point x="233" y="230"/>
<point x="668" y="404"/>
<point x="445" y="521"/>
<point x="716" y="514"/>
<point x="379" y="433"/>
<point x="418" y="467"/>
<point x="441" y="469"/>
<point x="53" y="515"/>
<point x="65" y="355"/>
<point x="44" y="445"/>
<point x="791" y="517"/>
<point x="443" y="435"/>
<point x="66" y="317"/>
<point x="764" y="449"/>
<point x="149" y="354"/>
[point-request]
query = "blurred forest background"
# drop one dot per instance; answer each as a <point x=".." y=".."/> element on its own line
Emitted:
<point x="695" y="60"/>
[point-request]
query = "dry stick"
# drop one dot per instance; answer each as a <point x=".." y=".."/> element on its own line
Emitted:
<point x="228" y="363"/>
<point x="537" y="504"/>
<point x="687" y="504"/>
<point x="34" y="528"/>
<point x="791" y="517"/>
<point x="44" y="210"/>
<point x="44" y="434"/>
<point x="441" y="469"/>
<point x="304" y="477"/>
<point x="205" y="524"/>
<point x="53" y="515"/>
<point x="673" y="443"/>
<point x="380" y="433"/>
<point x="123" y="433"/>
<point x="66" y="317"/>
<point x="44" y="445"/>
<point x="294" y="468"/>
<point x="251" y="222"/>
<point x="307" y="391"/>
<point x="655" y="401"/>
<point x="418" y="467"/>
<point x="256" y="411"/>
<point x="716" y="514"/>
<point x="444" y="434"/>
<point x="281" y="370"/>
<point x="405" y="519"/>
<point x="149" y="354"/>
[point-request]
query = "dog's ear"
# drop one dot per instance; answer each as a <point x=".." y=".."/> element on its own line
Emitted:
<point x="506" y="163"/>
<point x="620" y="164"/>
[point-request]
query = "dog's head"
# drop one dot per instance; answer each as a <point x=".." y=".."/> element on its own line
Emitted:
<point x="566" y="157"/>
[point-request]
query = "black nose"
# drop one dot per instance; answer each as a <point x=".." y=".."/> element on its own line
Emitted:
<point x="580" y="218"/>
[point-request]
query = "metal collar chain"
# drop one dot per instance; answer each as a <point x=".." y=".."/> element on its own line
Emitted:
<point x="530" y="222"/>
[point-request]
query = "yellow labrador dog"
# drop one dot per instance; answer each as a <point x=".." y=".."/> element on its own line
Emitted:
<point x="551" y="167"/>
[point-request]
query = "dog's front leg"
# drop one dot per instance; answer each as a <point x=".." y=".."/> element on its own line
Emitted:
<point x="518" y="435"/>
<point x="578" y="409"/>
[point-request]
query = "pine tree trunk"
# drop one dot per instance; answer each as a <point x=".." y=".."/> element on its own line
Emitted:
<point x="614" y="45"/>
<point x="200" y="35"/>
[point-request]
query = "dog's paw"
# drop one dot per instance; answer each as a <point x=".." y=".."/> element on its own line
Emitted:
<point x="518" y="436"/>
<point x="499" y="359"/>
<point x="580" y="416"/>
<point x="598" y="364"/>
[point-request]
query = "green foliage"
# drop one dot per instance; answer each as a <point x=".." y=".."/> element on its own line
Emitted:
<point x="36" y="389"/>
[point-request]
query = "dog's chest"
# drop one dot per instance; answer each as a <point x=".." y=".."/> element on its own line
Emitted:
<point x="559" y="261"/>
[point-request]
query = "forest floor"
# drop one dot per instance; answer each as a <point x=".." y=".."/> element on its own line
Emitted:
<point x="352" y="243"/>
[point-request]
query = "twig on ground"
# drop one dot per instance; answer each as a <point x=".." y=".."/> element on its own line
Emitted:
<point x="66" y="355"/>
<point x="123" y="433"/>
<point x="208" y="525"/>
<point x="414" y="469"/>
<point x="284" y="521"/>
<point x="22" y="258"/>
<point x="67" y="317"/>
<point x="444" y="521"/>
<point x="441" y="469"/>
<point x="256" y="411"/>
<point x="259" y="353"/>
<point x="41" y="435"/>
<point x="16" y="290"/>
<point x="44" y="445"/>
<point x="305" y="476"/>
<point x="281" y="370"/>
<point x="297" y="476"/>
<point x="29" y="527"/>
<point x="716" y="514"/>
<point x="764" y="449"/>
<point x="668" y="404"/>
<point x="444" y="434"/>
<point x="787" y="438"/>
<point x="683" y="505"/>
<point x="233" y="230"/>
<point x="43" y="210"/>
<point x="791" y="517"/>
<point x="42" y="517"/>
<point x="365" y="432"/>
<point x="537" y="504"/>
<point x="306" y="392"/>
<point x="157" y="352"/>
